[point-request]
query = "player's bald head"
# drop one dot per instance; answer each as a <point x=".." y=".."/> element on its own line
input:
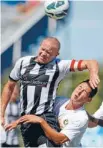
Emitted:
<point x="54" y="41"/>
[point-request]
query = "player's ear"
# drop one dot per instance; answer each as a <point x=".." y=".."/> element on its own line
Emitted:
<point x="57" y="53"/>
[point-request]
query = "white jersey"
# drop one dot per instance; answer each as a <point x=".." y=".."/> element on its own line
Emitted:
<point x="39" y="82"/>
<point x="99" y="113"/>
<point x="73" y="124"/>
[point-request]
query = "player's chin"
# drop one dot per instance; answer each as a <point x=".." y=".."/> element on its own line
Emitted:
<point x="41" y="60"/>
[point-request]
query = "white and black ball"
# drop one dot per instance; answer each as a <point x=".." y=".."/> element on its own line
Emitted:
<point x="56" y="9"/>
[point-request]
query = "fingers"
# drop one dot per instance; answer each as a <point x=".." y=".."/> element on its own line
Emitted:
<point x="26" y="117"/>
<point x="2" y="121"/>
<point x="9" y="127"/>
<point x="23" y="119"/>
<point x="93" y="84"/>
<point x="26" y="122"/>
<point x="94" y="81"/>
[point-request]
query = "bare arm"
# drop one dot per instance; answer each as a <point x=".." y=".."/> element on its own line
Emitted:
<point x="93" y="122"/>
<point x="15" y="93"/>
<point x="51" y="133"/>
<point x="6" y="95"/>
<point x="92" y="66"/>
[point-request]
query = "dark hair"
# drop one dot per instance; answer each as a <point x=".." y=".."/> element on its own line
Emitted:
<point x="93" y="91"/>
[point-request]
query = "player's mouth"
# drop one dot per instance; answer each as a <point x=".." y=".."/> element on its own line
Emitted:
<point x="43" y="59"/>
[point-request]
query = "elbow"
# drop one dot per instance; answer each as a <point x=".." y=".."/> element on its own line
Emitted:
<point x="59" y="142"/>
<point x="93" y="61"/>
<point x="56" y="141"/>
<point x="86" y="62"/>
<point x="90" y="64"/>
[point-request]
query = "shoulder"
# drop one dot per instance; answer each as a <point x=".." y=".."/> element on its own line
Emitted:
<point x="26" y="58"/>
<point x="64" y="65"/>
<point x="76" y="120"/>
<point x="60" y="61"/>
<point x="81" y="118"/>
<point x="23" y="60"/>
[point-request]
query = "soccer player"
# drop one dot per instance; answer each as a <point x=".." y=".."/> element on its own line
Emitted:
<point x="72" y="117"/>
<point x="39" y="78"/>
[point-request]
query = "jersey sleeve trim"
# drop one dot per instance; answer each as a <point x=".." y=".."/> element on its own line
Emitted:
<point x="72" y="65"/>
<point x="79" y="65"/>
<point x="76" y="65"/>
<point x="12" y="79"/>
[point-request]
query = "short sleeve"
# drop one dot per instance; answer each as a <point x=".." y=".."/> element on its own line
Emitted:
<point x="15" y="73"/>
<point x="74" y="129"/>
<point x="65" y="66"/>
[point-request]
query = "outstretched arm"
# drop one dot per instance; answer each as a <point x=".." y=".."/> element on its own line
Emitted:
<point x="51" y="133"/>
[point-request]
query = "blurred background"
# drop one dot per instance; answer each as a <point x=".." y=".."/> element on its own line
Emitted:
<point x="24" y="25"/>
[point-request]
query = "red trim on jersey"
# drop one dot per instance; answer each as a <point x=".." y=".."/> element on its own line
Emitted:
<point x="79" y="65"/>
<point x="72" y="65"/>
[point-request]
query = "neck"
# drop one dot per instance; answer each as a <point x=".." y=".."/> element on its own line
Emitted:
<point x="73" y="106"/>
<point x="36" y="59"/>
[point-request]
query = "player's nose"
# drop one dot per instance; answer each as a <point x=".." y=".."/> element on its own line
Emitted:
<point x="44" y="54"/>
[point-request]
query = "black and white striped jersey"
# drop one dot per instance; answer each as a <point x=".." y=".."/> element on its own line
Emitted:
<point x="39" y="82"/>
<point x="12" y="113"/>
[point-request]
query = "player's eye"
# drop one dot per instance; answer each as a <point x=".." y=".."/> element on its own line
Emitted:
<point x="80" y="87"/>
<point x="86" y="92"/>
<point x="43" y="49"/>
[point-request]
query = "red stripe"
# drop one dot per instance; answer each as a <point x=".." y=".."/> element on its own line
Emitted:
<point x="72" y="65"/>
<point x="79" y="65"/>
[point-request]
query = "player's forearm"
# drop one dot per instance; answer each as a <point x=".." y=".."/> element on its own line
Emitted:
<point x="91" y="65"/>
<point x="6" y="94"/>
<point x="52" y="134"/>
<point x="93" y="122"/>
<point x="18" y="121"/>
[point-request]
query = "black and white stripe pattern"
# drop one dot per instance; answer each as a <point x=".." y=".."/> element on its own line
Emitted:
<point x="39" y="83"/>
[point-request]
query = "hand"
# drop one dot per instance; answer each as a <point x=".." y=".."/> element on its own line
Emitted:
<point x="94" y="80"/>
<point x="11" y="126"/>
<point x="30" y="119"/>
<point x="2" y="121"/>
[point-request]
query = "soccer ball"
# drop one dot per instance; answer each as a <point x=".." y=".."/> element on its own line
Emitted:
<point x="56" y="9"/>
